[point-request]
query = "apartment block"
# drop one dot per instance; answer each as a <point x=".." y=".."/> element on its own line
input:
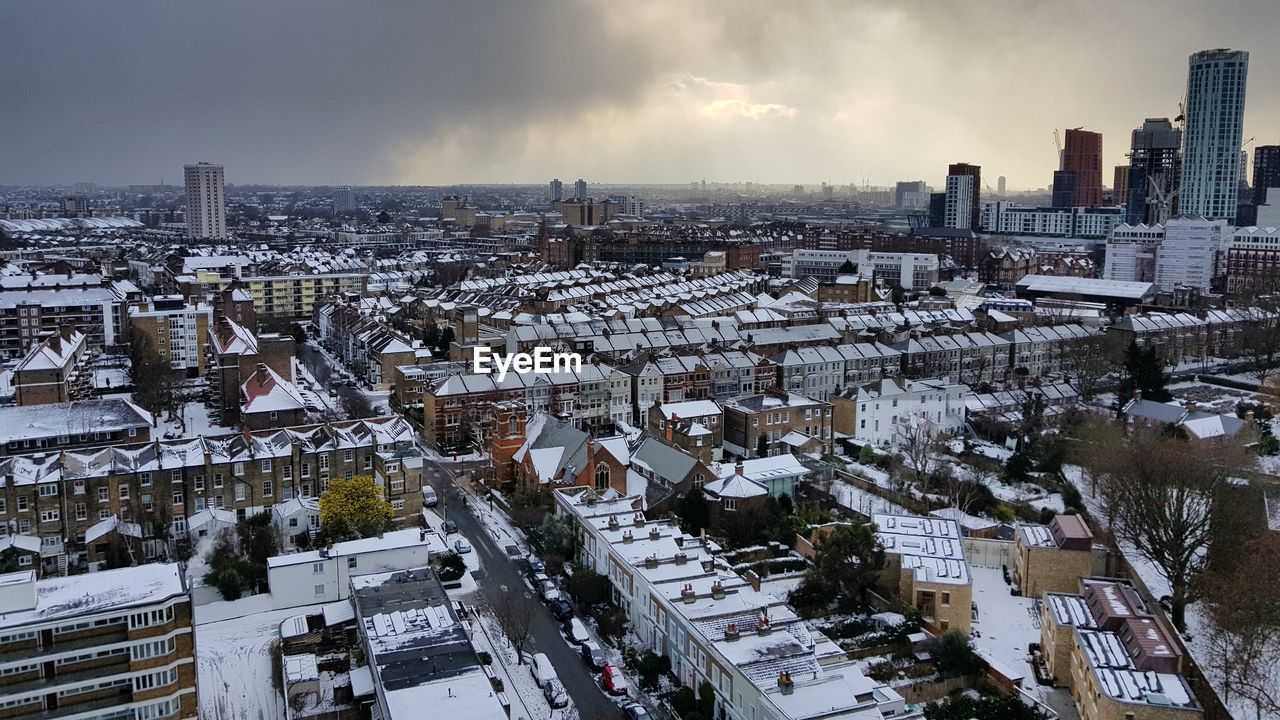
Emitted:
<point x="1120" y="661"/>
<point x="68" y="426"/>
<point x="33" y="306"/>
<point x="926" y="569"/>
<point x="46" y="374"/>
<point x="1052" y="558"/>
<point x="178" y="330"/>
<point x="117" y="643"/>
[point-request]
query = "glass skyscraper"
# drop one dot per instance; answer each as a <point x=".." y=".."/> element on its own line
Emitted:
<point x="1213" y="126"/>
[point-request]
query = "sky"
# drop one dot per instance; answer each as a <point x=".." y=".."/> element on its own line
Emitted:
<point x="659" y="91"/>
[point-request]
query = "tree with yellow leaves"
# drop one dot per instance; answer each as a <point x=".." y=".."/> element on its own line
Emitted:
<point x="353" y="509"/>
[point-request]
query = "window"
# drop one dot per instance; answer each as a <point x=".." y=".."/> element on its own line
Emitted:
<point x="48" y="490"/>
<point x="946" y="599"/>
<point x="199" y="482"/>
<point x="351" y="562"/>
<point x="319" y="590"/>
<point x="306" y="470"/>
<point x="177" y="497"/>
<point x="81" y="511"/>
<point x="266" y="465"/>
<point x="144" y="479"/>
<point x="124" y="492"/>
<point x="730" y="504"/>
<point x="239" y="492"/>
<point x="78" y="487"/>
<point x="324" y="462"/>
<point x="49" y="516"/>
<point x="267" y="488"/>
<point x="217" y="481"/>
<point x="317" y="568"/>
<point x="397" y="504"/>
<point x="348" y="475"/>
<point x="146" y="502"/>
<point x="393" y="467"/>
<point x="22" y="503"/>
<point x="305" y="491"/>
<point x="368" y="461"/>
<point x="237" y="469"/>
<point x="346" y="456"/>
<point x="3" y="506"/>
<point x="287" y="470"/>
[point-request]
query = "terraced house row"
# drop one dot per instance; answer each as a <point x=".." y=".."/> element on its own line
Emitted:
<point x="66" y="508"/>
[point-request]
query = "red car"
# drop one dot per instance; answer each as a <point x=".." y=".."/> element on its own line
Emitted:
<point x="613" y="680"/>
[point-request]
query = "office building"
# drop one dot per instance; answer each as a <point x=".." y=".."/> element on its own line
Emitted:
<point x="1190" y="253"/>
<point x="206" y="204"/>
<point x="1006" y="217"/>
<point x="1000" y="186"/>
<point x="580" y="189"/>
<point x="1213" y="125"/>
<point x="344" y="200"/>
<point x="1266" y="172"/>
<point x="1131" y="253"/>
<point x="1154" y="160"/>
<point x="117" y="643"/>
<point x="557" y="190"/>
<point x="628" y="205"/>
<point x="959" y="197"/>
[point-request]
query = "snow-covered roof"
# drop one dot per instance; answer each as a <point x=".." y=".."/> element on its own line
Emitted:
<point x="85" y="595"/>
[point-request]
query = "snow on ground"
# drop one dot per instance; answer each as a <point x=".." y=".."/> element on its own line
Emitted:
<point x="1092" y="502"/>
<point x="862" y="501"/>
<point x="472" y="559"/>
<point x="1006" y="625"/>
<point x="233" y="660"/>
<point x="1052" y="501"/>
<point x="518" y="681"/>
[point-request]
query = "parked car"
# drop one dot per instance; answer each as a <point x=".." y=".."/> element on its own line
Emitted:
<point x="536" y="580"/>
<point x="555" y="694"/>
<point x="575" y="631"/>
<point x="636" y="711"/>
<point x="450" y="527"/>
<point x="536" y="565"/>
<point x="561" y="610"/>
<point x="593" y="655"/>
<point x="549" y="591"/>
<point x="462" y="547"/>
<point x="429" y="497"/>
<point x="613" y="680"/>
<point x="540" y="667"/>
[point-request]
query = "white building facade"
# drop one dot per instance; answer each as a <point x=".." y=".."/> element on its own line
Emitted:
<point x="887" y="407"/>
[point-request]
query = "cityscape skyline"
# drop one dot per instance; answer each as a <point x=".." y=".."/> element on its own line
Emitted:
<point x="730" y="97"/>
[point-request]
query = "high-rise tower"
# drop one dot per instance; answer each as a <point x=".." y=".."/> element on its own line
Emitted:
<point x="1212" y="129"/>
<point x="206" y="206"/>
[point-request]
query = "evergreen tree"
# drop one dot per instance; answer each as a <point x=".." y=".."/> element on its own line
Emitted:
<point x="352" y="509"/>
<point x="694" y="513"/>
<point x="1144" y="371"/>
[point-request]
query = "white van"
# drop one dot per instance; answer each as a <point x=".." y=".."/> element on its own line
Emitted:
<point x="541" y="668"/>
<point x="429" y="498"/>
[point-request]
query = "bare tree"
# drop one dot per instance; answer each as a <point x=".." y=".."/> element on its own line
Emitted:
<point x="1260" y="342"/>
<point x="1169" y="499"/>
<point x="1242" y="636"/>
<point x="918" y="439"/>
<point x="515" y="616"/>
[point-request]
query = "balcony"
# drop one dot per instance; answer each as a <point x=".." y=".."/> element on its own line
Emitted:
<point x="119" y="664"/>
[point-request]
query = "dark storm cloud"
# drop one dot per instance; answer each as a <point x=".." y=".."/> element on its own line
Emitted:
<point x="283" y="91"/>
<point x="660" y="90"/>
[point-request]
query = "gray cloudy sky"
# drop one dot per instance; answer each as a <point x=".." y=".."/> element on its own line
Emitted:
<point x="654" y="91"/>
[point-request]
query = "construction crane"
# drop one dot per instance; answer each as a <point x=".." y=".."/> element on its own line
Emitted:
<point x="1163" y="201"/>
<point x="1057" y="143"/>
<point x="1247" y="142"/>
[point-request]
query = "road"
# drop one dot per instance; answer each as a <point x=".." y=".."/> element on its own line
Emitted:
<point x="499" y="575"/>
